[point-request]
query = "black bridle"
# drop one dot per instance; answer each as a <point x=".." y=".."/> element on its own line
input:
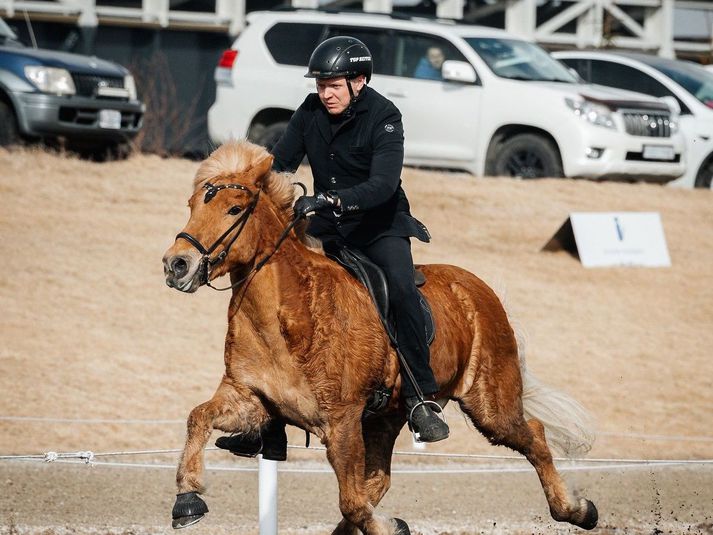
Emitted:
<point x="206" y="262"/>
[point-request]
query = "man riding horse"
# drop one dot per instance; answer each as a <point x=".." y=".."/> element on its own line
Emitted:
<point x="305" y="343"/>
<point x="353" y="138"/>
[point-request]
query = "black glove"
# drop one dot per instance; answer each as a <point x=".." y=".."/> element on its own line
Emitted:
<point x="307" y="204"/>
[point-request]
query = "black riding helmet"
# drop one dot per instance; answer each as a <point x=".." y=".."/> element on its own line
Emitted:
<point x="340" y="56"/>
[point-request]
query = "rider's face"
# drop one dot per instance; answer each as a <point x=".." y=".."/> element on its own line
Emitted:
<point x="334" y="94"/>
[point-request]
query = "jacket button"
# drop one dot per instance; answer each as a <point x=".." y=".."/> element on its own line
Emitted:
<point x="331" y="156"/>
<point x="333" y="180"/>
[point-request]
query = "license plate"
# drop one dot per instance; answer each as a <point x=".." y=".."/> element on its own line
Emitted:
<point x="658" y="152"/>
<point x="111" y="119"/>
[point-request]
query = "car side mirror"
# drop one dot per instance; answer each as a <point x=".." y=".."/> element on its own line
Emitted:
<point x="576" y="75"/>
<point x="458" y="71"/>
<point x="672" y="104"/>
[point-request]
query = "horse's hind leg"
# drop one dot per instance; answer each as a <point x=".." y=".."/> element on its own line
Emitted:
<point x="504" y="424"/>
<point x="563" y="506"/>
<point x="379" y="437"/>
<point x="229" y="409"/>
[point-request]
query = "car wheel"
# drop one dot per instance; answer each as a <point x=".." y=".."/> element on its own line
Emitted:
<point x="104" y="152"/>
<point x="705" y="174"/>
<point x="120" y="150"/>
<point x="9" y="134"/>
<point x="269" y="137"/>
<point x="528" y="156"/>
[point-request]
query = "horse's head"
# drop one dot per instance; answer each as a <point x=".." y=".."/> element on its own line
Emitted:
<point x="222" y="232"/>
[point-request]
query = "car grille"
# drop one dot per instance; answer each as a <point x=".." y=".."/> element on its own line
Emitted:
<point x="647" y="123"/>
<point x="90" y="117"/>
<point x="87" y="84"/>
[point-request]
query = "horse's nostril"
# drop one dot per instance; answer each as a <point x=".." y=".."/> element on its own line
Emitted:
<point x="179" y="267"/>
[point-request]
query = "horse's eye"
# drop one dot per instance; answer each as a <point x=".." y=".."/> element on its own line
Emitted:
<point x="235" y="210"/>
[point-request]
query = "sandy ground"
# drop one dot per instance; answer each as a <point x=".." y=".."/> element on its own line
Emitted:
<point x="89" y="331"/>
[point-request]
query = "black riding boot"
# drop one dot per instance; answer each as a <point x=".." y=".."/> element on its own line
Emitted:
<point x="424" y="421"/>
<point x="271" y="443"/>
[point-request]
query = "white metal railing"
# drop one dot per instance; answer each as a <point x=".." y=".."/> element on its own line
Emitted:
<point x="654" y="33"/>
<point x="228" y="15"/>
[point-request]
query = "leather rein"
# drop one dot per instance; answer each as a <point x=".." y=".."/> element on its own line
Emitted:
<point x="206" y="262"/>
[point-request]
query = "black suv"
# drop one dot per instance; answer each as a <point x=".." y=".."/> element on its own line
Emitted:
<point x="90" y="102"/>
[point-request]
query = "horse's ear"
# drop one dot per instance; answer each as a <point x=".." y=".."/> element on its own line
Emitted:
<point x="260" y="170"/>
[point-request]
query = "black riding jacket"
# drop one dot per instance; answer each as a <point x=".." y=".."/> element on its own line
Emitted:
<point x="361" y="162"/>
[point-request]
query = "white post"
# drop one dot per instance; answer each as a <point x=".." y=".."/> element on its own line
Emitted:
<point x="590" y="26"/>
<point x="378" y="6"/>
<point x="267" y="496"/>
<point x="88" y="15"/>
<point x="521" y="18"/>
<point x="155" y="11"/>
<point x="309" y="4"/>
<point x="234" y="11"/>
<point x="658" y="26"/>
<point x="449" y="9"/>
<point x="9" y="7"/>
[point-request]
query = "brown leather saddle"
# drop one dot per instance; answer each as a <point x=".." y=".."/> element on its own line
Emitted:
<point x="374" y="280"/>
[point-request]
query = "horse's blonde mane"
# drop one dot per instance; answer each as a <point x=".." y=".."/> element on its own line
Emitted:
<point x="237" y="157"/>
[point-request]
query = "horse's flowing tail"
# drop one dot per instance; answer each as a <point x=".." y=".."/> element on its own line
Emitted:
<point x="569" y="428"/>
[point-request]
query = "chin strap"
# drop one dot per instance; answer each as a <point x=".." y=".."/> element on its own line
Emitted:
<point x="352" y="100"/>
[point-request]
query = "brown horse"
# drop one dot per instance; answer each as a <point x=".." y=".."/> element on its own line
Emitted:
<point x="305" y="344"/>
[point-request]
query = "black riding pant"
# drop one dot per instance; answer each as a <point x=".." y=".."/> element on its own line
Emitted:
<point x="393" y="255"/>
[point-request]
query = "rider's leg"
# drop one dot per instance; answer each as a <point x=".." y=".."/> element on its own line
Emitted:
<point x="393" y="255"/>
<point x="271" y="442"/>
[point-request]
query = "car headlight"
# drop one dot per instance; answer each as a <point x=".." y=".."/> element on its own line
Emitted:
<point x="51" y="79"/>
<point x="592" y="112"/>
<point x="130" y="86"/>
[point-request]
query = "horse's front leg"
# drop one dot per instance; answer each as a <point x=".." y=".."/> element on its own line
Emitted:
<point x="347" y="454"/>
<point x="231" y="408"/>
<point x="379" y="435"/>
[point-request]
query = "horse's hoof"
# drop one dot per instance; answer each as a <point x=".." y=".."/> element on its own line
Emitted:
<point x="188" y="509"/>
<point x="185" y="521"/>
<point x="401" y="527"/>
<point x="590" y="517"/>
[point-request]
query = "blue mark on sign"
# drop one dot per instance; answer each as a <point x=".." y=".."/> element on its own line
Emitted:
<point x="619" y="229"/>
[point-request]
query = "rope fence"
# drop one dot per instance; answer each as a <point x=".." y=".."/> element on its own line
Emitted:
<point x="402" y="471"/>
<point x="89" y="457"/>
<point x="134" y="421"/>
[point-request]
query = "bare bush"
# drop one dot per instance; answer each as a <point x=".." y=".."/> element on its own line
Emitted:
<point x="168" y="121"/>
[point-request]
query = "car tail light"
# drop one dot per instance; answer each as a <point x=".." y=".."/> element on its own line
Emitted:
<point x="228" y="58"/>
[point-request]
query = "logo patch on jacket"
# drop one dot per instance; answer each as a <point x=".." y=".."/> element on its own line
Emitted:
<point x="389" y="127"/>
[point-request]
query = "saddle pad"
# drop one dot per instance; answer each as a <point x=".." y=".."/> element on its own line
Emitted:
<point x="373" y="278"/>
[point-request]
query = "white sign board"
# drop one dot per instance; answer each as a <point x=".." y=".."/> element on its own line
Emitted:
<point x="620" y="239"/>
<point x="613" y="239"/>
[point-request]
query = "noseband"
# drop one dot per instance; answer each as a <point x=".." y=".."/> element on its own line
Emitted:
<point x="207" y="263"/>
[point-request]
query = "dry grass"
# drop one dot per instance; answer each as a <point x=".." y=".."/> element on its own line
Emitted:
<point x="89" y="329"/>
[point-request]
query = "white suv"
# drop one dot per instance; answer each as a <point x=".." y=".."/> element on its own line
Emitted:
<point x="689" y="84"/>
<point x="497" y="105"/>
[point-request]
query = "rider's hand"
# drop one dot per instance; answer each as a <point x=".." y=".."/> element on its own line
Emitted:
<point x="309" y="203"/>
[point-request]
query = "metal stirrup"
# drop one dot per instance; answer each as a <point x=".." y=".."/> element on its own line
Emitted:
<point x="439" y="412"/>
